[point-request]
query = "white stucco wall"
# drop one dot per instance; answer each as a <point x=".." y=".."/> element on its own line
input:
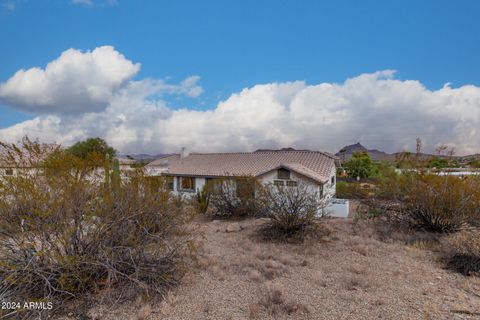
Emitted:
<point x="199" y="183"/>
<point x="312" y="185"/>
<point x="328" y="189"/>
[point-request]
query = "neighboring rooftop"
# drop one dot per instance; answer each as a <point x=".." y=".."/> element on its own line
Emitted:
<point x="313" y="164"/>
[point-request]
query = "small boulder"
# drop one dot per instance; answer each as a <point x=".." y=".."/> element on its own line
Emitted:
<point x="233" y="227"/>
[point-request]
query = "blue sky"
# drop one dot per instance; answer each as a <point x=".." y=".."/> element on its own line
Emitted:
<point x="236" y="45"/>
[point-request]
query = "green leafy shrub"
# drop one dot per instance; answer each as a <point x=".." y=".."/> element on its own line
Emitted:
<point x="360" y="165"/>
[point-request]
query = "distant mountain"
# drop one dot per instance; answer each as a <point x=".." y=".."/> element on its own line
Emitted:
<point x="282" y="149"/>
<point x="143" y="156"/>
<point x="346" y="153"/>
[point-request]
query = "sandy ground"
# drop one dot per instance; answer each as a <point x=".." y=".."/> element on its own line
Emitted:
<point x="347" y="274"/>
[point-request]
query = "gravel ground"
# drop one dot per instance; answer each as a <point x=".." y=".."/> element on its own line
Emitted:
<point x="343" y="275"/>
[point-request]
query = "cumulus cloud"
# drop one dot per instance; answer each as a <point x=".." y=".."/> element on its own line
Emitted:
<point x="76" y="82"/>
<point x="374" y="108"/>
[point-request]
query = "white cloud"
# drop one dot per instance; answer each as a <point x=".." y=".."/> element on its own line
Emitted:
<point x="376" y="109"/>
<point x="75" y="82"/>
<point x="83" y="2"/>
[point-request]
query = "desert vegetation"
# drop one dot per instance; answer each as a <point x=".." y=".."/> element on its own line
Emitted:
<point x="73" y="229"/>
<point x="233" y="198"/>
<point x="292" y="211"/>
<point x="70" y="228"/>
<point x="441" y="210"/>
<point x="445" y="210"/>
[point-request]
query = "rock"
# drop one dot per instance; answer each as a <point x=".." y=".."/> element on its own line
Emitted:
<point x="233" y="227"/>
<point x="260" y="221"/>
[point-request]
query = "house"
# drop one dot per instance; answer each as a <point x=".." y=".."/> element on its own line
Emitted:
<point x="188" y="173"/>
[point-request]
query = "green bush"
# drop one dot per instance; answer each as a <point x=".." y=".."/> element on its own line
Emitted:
<point x="360" y="165"/>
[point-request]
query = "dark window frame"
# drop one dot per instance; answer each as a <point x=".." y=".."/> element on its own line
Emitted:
<point x="291" y="183"/>
<point x="170" y="183"/>
<point x="283" y="174"/>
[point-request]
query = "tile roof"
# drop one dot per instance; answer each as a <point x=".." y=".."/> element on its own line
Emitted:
<point x="313" y="164"/>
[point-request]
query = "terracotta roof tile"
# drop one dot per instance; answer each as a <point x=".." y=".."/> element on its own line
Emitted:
<point x="313" y="164"/>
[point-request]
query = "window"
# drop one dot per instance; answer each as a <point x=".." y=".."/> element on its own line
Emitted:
<point x="291" y="183"/>
<point x="279" y="183"/>
<point x="9" y="172"/>
<point x="283" y="174"/>
<point x="320" y="191"/>
<point x="333" y="180"/>
<point x="213" y="184"/>
<point x="186" y="184"/>
<point x="170" y="183"/>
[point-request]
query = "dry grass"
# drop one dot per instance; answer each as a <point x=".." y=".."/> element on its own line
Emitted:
<point x="273" y="300"/>
<point x="347" y="275"/>
<point x="462" y="251"/>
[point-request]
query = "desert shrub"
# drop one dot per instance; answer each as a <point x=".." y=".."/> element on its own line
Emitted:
<point x="351" y="190"/>
<point x="391" y="185"/>
<point x="236" y="197"/>
<point x="366" y="212"/>
<point x="436" y="203"/>
<point x="66" y="232"/>
<point x="462" y="252"/>
<point x="203" y="198"/>
<point x="273" y="300"/>
<point x="292" y="210"/>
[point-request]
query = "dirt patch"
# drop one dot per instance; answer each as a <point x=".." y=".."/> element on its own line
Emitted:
<point x="347" y="275"/>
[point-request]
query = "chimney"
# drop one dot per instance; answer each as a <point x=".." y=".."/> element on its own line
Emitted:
<point x="184" y="153"/>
